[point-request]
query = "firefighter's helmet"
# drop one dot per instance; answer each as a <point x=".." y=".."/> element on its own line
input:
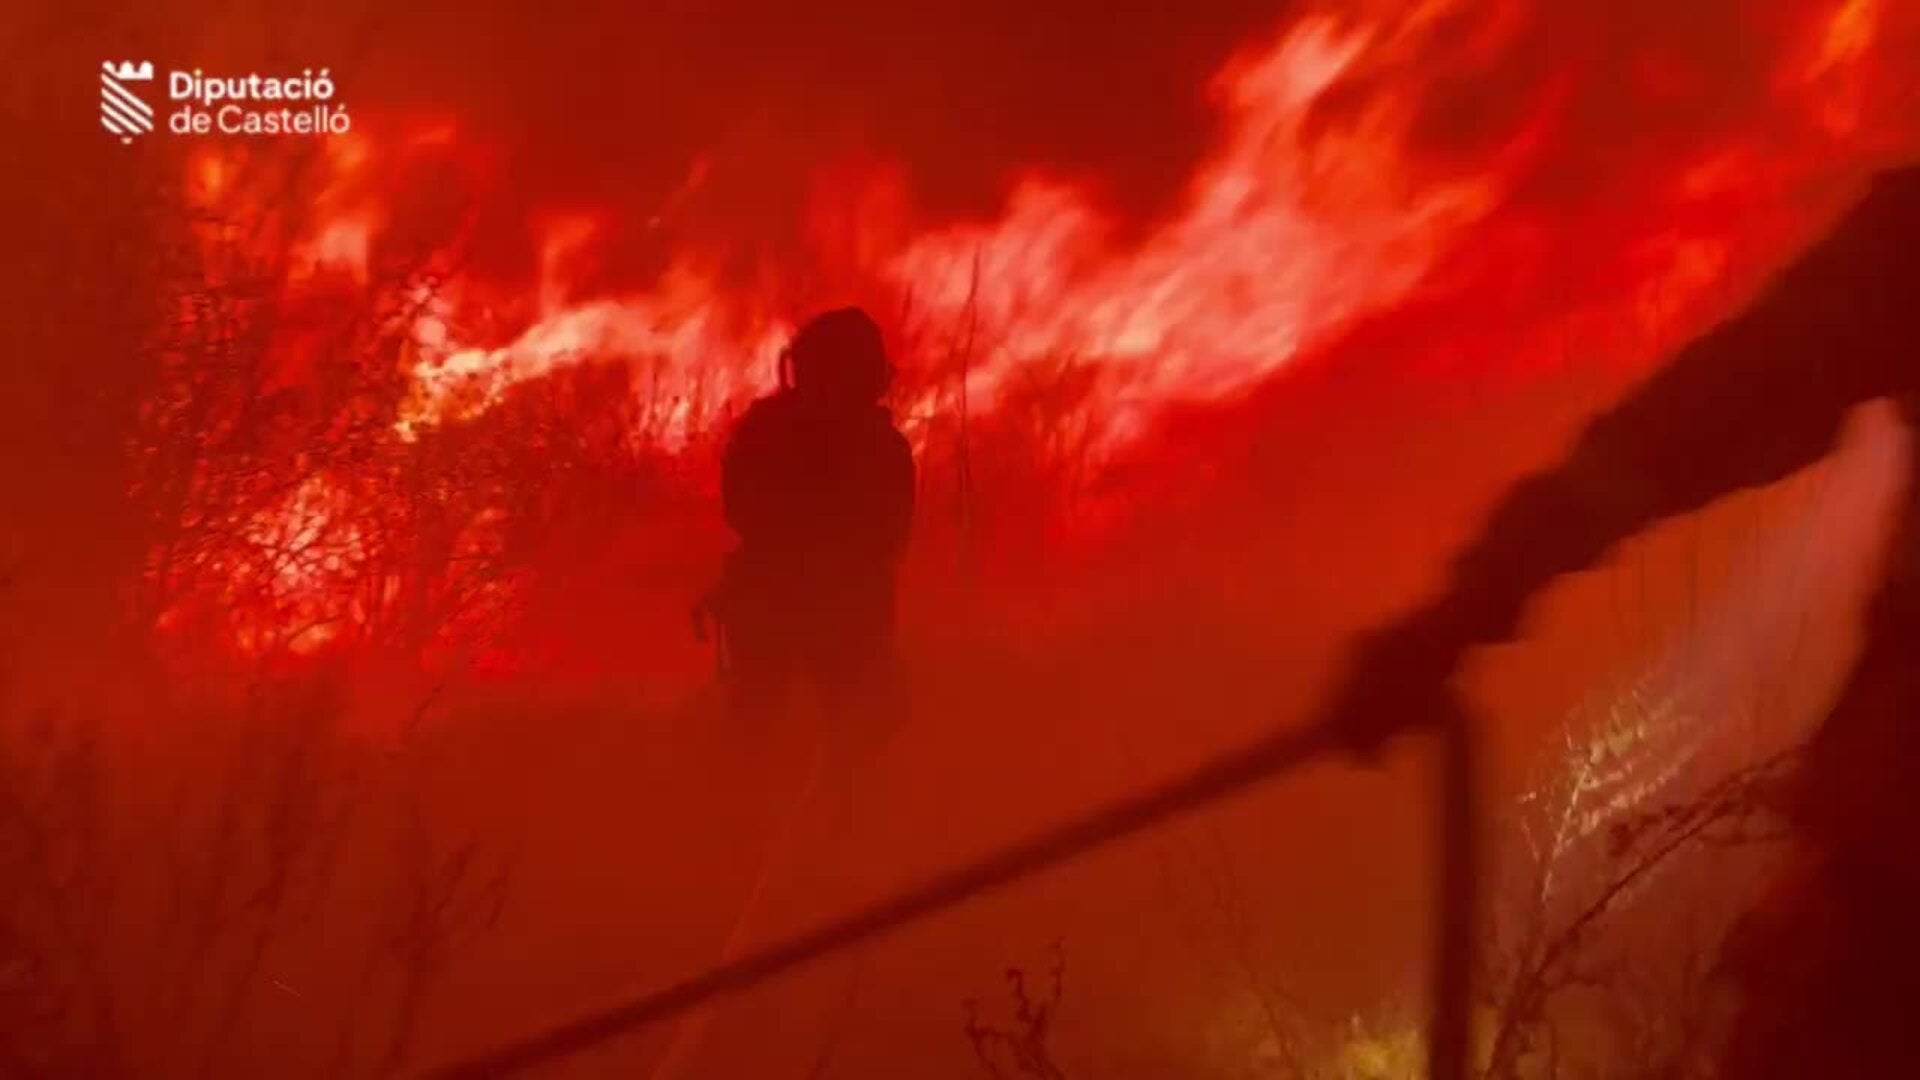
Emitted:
<point x="839" y="354"/>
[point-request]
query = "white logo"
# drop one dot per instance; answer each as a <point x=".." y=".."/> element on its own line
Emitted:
<point x="201" y="104"/>
<point x="121" y="110"/>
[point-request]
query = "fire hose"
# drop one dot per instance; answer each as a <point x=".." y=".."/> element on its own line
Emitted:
<point x="1455" y="898"/>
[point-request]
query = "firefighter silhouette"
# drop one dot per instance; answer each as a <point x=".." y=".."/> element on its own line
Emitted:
<point x="1824" y="959"/>
<point x="818" y="484"/>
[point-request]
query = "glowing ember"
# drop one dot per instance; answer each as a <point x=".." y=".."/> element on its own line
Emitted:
<point x="299" y="562"/>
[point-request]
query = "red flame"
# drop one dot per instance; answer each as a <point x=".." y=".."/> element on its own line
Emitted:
<point x="1304" y="221"/>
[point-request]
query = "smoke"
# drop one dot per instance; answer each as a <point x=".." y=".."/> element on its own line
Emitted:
<point x="612" y="105"/>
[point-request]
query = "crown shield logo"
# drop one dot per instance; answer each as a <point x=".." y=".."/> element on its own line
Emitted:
<point x="121" y="110"/>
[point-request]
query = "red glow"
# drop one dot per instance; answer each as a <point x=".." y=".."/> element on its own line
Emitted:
<point x="1303" y="222"/>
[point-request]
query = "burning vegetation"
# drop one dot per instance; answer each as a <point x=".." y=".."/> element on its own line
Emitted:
<point x="332" y="300"/>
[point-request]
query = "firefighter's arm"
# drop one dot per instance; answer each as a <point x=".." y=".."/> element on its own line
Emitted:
<point x="1721" y="418"/>
<point x="739" y="488"/>
<point x="900" y="486"/>
<point x="1748" y="403"/>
